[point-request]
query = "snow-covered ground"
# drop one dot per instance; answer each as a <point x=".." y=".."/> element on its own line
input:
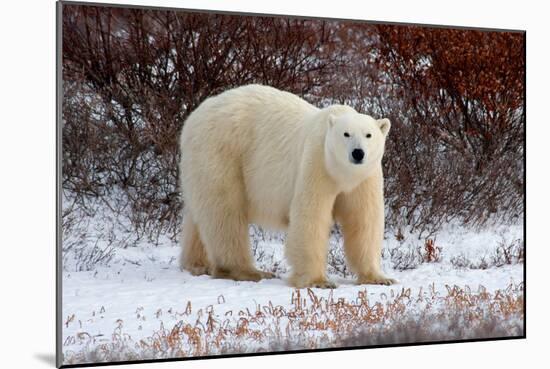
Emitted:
<point x="136" y="290"/>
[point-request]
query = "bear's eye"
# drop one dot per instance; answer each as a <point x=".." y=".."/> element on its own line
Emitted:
<point x="369" y="135"/>
<point x="346" y="134"/>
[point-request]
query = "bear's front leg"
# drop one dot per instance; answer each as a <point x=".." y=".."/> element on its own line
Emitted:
<point x="361" y="215"/>
<point x="307" y="242"/>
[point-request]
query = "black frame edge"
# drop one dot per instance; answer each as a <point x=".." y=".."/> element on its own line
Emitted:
<point x="58" y="207"/>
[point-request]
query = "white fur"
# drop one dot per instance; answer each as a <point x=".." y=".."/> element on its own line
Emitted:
<point x="255" y="154"/>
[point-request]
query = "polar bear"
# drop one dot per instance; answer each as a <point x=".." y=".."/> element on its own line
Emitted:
<point x="255" y="154"/>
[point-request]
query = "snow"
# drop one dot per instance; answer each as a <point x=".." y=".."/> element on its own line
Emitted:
<point x="140" y="289"/>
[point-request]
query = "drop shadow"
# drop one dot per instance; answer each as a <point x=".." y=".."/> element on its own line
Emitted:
<point x="46" y="358"/>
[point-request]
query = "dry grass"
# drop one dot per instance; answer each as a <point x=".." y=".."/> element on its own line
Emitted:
<point x="312" y="322"/>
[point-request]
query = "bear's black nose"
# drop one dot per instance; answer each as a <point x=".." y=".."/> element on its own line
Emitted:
<point x="358" y="155"/>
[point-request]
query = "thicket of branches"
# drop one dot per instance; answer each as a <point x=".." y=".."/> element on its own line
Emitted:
<point x="455" y="98"/>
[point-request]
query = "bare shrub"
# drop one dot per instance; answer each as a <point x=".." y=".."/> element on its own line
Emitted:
<point x="463" y="262"/>
<point x="456" y="150"/>
<point x="80" y="251"/>
<point x="88" y="258"/>
<point x="506" y="253"/>
<point x="337" y="263"/>
<point x="509" y="253"/>
<point x="409" y="255"/>
<point x="455" y="97"/>
<point x="406" y="257"/>
<point x="132" y="76"/>
<point x="267" y="261"/>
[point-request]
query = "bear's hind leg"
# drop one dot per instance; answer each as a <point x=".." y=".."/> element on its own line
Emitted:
<point x="225" y="235"/>
<point x="193" y="255"/>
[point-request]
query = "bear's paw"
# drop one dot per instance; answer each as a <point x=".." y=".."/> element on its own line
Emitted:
<point x="376" y="278"/>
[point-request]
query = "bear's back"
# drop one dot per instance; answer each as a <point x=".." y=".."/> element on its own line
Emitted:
<point x="259" y="129"/>
<point x="242" y="118"/>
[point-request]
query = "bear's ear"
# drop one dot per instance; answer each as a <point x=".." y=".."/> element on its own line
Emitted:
<point x="384" y="125"/>
<point x="331" y="120"/>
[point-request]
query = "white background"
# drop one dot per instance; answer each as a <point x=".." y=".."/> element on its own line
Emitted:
<point x="27" y="180"/>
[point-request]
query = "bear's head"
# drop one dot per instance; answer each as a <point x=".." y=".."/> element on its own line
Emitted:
<point x="354" y="146"/>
